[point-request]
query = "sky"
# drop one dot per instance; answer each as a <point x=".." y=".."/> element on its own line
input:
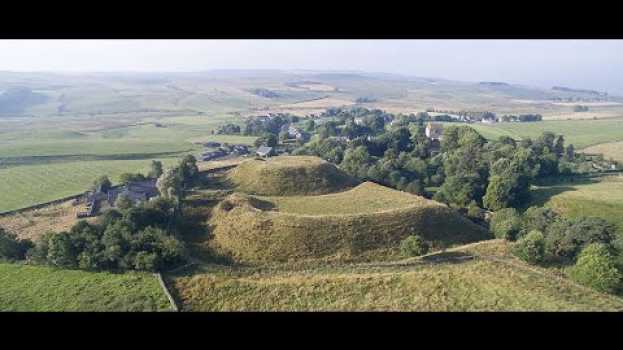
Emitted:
<point x="590" y="64"/>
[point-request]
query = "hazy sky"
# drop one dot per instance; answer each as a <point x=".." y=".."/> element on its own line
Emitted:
<point x="595" y="64"/>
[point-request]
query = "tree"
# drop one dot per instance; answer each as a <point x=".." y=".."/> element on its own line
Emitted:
<point x="267" y="139"/>
<point x="61" y="251"/>
<point x="413" y="245"/>
<point x="103" y="184"/>
<point x="124" y="202"/>
<point x="169" y="184"/>
<point x="156" y="169"/>
<point x="530" y="248"/>
<point x="188" y="170"/>
<point x="566" y="238"/>
<point x="596" y="268"/>
<point x="11" y="247"/>
<point x="506" y="223"/>
<point x="128" y="177"/>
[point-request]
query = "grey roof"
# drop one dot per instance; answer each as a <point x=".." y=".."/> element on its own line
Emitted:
<point x="264" y="150"/>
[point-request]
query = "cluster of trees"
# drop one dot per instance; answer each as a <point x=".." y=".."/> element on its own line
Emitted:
<point x="521" y="118"/>
<point x="228" y="129"/>
<point x="468" y="170"/>
<point x="12" y="248"/>
<point x="258" y="126"/>
<point x="580" y="108"/>
<point x="172" y="182"/>
<point x="589" y="246"/>
<point x="137" y="238"/>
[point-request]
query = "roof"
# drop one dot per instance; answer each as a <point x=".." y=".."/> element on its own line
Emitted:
<point x="264" y="150"/>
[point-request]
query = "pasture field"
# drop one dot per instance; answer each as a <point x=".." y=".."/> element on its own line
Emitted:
<point x="27" y="185"/>
<point x="580" y="133"/>
<point x="612" y="150"/>
<point x="416" y="284"/>
<point x="599" y="198"/>
<point x="40" y="288"/>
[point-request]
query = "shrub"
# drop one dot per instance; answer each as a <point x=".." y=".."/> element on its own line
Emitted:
<point x="506" y="223"/>
<point x="566" y="238"/>
<point x="539" y="219"/>
<point x="413" y="246"/>
<point x="530" y="248"/>
<point x="596" y="268"/>
<point x="12" y="248"/>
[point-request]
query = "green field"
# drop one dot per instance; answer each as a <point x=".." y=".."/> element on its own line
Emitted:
<point x="26" y="185"/>
<point x="599" y="197"/>
<point x="580" y="133"/>
<point x="481" y="284"/>
<point x="38" y="288"/>
<point x="40" y="165"/>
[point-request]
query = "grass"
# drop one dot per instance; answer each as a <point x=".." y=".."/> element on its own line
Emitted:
<point x="599" y="198"/>
<point x="612" y="150"/>
<point x="289" y="175"/>
<point x="364" y="199"/>
<point x="480" y="284"/>
<point x="26" y="185"/>
<point x="580" y="133"/>
<point x="39" y="288"/>
<point x="345" y="226"/>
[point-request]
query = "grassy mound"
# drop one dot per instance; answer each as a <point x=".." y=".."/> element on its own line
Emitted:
<point x="289" y="175"/>
<point x="367" y="220"/>
<point x="479" y="284"/>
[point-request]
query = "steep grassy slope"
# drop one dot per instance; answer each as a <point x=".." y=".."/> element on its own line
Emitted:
<point x="38" y="288"/>
<point x="482" y="284"/>
<point x="351" y="224"/>
<point x="289" y="175"/>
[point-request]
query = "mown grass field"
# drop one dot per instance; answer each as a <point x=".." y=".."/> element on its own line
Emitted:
<point x="39" y="288"/>
<point x="480" y="284"/>
<point x="580" y="133"/>
<point x="26" y="185"/>
<point x="599" y="198"/>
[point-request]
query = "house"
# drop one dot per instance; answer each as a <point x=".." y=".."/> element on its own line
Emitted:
<point x="434" y="131"/>
<point x="265" y="151"/>
<point x="136" y="191"/>
<point x="358" y="121"/>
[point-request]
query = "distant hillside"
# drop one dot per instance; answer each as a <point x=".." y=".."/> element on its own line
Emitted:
<point x="16" y="100"/>
<point x="581" y="91"/>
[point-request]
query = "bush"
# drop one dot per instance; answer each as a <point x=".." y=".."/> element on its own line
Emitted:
<point x="596" y="268"/>
<point x="565" y="238"/>
<point x="506" y="223"/>
<point x="12" y="248"/>
<point x="530" y="248"/>
<point x="413" y="246"/>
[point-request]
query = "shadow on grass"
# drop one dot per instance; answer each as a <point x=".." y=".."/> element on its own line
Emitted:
<point x="447" y="257"/>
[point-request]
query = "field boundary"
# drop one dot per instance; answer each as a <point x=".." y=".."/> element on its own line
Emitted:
<point x="45" y="204"/>
<point x="166" y="291"/>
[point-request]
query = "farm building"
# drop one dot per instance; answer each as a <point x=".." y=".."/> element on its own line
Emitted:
<point x="137" y="191"/>
<point x="265" y="151"/>
<point x="434" y="131"/>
